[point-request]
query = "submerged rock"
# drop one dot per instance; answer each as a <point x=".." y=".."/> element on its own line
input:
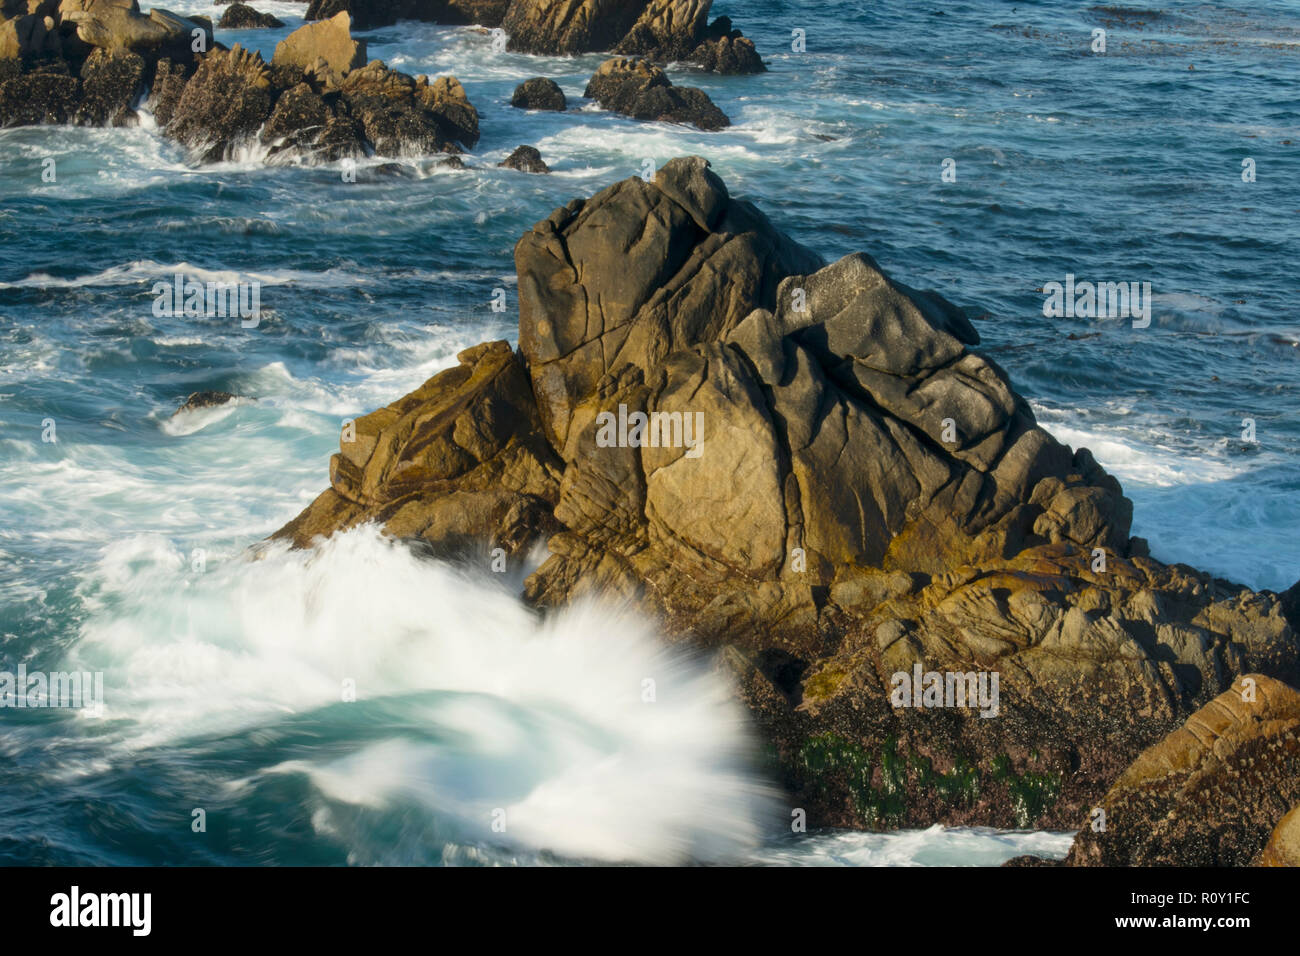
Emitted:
<point x="207" y="399"/>
<point x="539" y="94"/>
<point x="526" y="159"/>
<point x="806" y="468"/>
<point x="639" y="89"/>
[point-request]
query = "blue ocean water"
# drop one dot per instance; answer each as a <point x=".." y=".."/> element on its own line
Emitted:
<point x="223" y="683"/>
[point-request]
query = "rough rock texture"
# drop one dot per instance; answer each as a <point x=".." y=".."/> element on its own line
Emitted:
<point x="317" y="99"/>
<point x="240" y="16"/>
<point x="329" y="40"/>
<point x="459" y="462"/>
<point x="224" y="104"/>
<point x="110" y="82"/>
<point x="38" y="97"/>
<point x="526" y="159"/>
<point x="312" y="100"/>
<point x="667" y="30"/>
<point x="1215" y="792"/>
<point x="660" y="30"/>
<point x="725" y="50"/>
<point x="87" y="61"/>
<point x="639" y="89"/>
<point x="539" y="93"/>
<point x="569" y="26"/>
<point x="859" y="494"/>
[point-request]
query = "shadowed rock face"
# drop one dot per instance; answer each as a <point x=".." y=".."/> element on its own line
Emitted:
<point x="526" y="159"/>
<point x="368" y="14"/>
<point x="1212" y="793"/>
<point x="240" y="16"/>
<point x="829" y="488"/>
<point x="539" y="93"/>
<point x="459" y="462"/>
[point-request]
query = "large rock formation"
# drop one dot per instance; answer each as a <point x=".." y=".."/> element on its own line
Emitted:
<point x="639" y="89"/>
<point x="805" y="467"/>
<point x="1219" y="791"/>
<point x="318" y="98"/>
<point x="660" y="30"/>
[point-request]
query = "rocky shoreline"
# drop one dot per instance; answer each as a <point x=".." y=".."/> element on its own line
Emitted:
<point x="862" y="497"/>
<point x="93" y="62"/>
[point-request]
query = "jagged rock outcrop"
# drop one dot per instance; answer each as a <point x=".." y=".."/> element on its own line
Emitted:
<point x="110" y="83"/>
<point x="318" y="98"/>
<point x="526" y="159"/>
<point x="224" y="104"/>
<point x="328" y="40"/>
<point x="539" y="93"/>
<point x="1218" y="791"/>
<point x="660" y="30"/>
<point x="301" y="102"/>
<point x="240" y="16"/>
<point x="639" y="89"/>
<point x="87" y="61"/>
<point x="724" y="50"/>
<point x="805" y="467"/>
<point x="459" y="462"/>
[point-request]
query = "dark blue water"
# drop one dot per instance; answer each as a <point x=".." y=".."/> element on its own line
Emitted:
<point x="222" y="684"/>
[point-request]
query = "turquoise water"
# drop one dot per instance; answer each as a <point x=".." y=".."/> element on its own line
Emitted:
<point x="222" y="684"/>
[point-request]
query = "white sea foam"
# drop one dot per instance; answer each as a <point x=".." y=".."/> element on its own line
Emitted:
<point x="935" y="846"/>
<point x="546" y="720"/>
